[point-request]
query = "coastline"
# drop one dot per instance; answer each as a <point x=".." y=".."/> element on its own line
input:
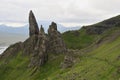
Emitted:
<point x="3" y="48"/>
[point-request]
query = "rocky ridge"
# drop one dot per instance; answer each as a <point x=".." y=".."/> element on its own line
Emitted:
<point x="101" y="27"/>
<point x="39" y="44"/>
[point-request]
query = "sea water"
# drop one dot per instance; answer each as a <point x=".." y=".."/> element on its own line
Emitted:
<point x="3" y="48"/>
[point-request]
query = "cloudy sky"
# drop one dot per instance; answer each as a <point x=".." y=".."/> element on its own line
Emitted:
<point x="65" y="12"/>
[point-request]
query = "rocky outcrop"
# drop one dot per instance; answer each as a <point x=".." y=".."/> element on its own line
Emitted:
<point x="101" y="27"/>
<point x="29" y="45"/>
<point x="56" y="44"/>
<point x="45" y="45"/>
<point x="69" y="59"/>
<point x="40" y="56"/>
<point x="39" y="44"/>
<point x="12" y="50"/>
<point x="33" y="26"/>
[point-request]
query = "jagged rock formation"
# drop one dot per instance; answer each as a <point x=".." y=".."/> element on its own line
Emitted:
<point x="33" y="29"/>
<point x="56" y="44"/>
<point x="40" y="56"/>
<point x="29" y="45"/>
<point x="44" y="45"/>
<point x="39" y="44"/>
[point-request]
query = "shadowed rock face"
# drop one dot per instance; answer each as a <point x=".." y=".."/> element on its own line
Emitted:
<point x="41" y="30"/>
<point x="33" y="26"/>
<point x="56" y="44"/>
<point x="13" y="50"/>
<point x="29" y="45"/>
<point x="40" y="56"/>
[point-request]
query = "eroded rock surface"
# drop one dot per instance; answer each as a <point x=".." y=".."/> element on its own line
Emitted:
<point x="56" y="44"/>
<point x="29" y="45"/>
<point x="40" y="56"/>
<point x="33" y="26"/>
<point x="13" y="50"/>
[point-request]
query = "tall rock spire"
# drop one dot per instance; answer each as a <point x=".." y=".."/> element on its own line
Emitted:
<point x="33" y="26"/>
<point x="40" y="55"/>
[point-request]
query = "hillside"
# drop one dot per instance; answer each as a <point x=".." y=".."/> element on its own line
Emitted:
<point x="91" y="53"/>
<point x="78" y="39"/>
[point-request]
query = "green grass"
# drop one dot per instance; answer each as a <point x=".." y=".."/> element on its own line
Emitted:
<point x="78" y="39"/>
<point x="101" y="63"/>
<point x="17" y="68"/>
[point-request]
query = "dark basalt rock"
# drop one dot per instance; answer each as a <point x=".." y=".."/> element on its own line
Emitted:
<point x="12" y="50"/>
<point x="56" y="44"/>
<point x="38" y="45"/>
<point x="44" y="44"/>
<point x="40" y="56"/>
<point x="101" y="27"/>
<point x="33" y="26"/>
<point x="29" y="45"/>
<point x="41" y="30"/>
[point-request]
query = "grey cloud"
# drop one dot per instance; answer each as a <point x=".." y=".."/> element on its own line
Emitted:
<point x="77" y="11"/>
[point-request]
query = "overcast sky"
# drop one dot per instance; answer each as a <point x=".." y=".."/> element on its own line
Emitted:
<point x="66" y="12"/>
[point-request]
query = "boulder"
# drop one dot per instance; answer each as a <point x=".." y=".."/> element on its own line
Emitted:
<point x="69" y="60"/>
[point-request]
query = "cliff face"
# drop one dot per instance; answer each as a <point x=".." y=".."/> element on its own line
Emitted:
<point x="39" y="44"/>
<point x="40" y="55"/>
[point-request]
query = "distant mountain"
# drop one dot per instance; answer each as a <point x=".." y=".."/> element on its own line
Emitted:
<point x="13" y="30"/>
<point x="10" y="34"/>
<point x="24" y="29"/>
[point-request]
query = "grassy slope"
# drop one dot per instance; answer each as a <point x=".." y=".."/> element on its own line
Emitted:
<point x="78" y="39"/>
<point x="99" y="64"/>
<point x="17" y="68"/>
